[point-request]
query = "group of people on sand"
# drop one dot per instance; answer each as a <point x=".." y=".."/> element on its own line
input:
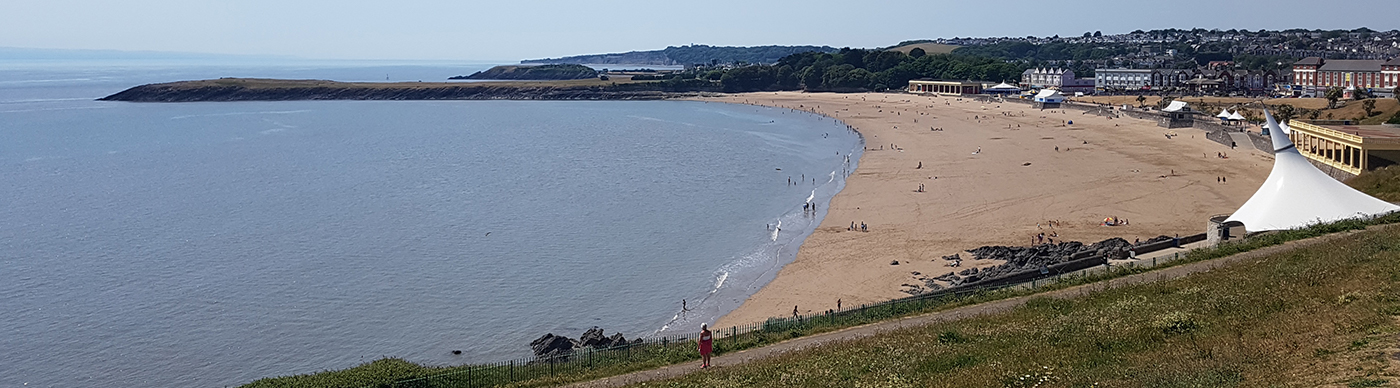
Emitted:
<point x="1041" y="238"/>
<point x="853" y="227"/>
<point x="1115" y="221"/>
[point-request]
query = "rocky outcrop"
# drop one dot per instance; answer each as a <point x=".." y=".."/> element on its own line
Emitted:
<point x="1022" y="259"/>
<point x="550" y="345"/>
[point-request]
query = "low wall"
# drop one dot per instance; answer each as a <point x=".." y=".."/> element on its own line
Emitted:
<point x="1219" y="137"/>
<point x="1260" y="142"/>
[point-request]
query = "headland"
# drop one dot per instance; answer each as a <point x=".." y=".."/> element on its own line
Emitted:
<point x="258" y="89"/>
<point x="991" y="174"/>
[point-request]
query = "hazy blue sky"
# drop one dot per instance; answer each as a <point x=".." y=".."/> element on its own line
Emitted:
<point x="520" y="29"/>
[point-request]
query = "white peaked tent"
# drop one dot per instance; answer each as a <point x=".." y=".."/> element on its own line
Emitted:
<point x="1235" y="116"/>
<point x="1175" y="106"/>
<point x="1049" y="95"/>
<point x="1296" y="194"/>
<point x="1224" y="113"/>
<point x="1004" y="87"/>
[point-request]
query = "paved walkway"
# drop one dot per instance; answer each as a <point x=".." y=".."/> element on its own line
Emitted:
<point x="994" y="307"/>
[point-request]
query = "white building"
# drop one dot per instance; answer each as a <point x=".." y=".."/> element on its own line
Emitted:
<point x="1122" y="79"/>
<point x="1046" y="78"/>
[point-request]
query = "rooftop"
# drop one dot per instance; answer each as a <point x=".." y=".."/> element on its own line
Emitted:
<point x="1368" y="131"/>
<point x="1313" y="61"/>
<point x="1352" y="65"/>
<point x="1124" y="70"/>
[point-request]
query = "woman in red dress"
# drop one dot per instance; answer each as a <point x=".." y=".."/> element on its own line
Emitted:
<point x="706" y="343"/>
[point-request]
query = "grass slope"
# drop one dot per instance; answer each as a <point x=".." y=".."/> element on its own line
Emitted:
<point x="1383" y="183"/>
<point x="1319" y="316"/>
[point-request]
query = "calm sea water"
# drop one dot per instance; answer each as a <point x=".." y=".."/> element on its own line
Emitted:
<point x="211" y="244"/>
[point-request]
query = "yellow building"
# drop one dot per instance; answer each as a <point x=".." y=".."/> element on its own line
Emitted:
<point x="944" y="87"/>
<point x="1349" y="148"/>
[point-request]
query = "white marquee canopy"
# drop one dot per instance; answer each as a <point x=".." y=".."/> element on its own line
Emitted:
<point x="1297" y="194"/>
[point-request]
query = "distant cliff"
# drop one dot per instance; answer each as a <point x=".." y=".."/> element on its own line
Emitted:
<point x="689" y="55"/>
<point x="541" y="72"/>
<point x="245" y="89"/>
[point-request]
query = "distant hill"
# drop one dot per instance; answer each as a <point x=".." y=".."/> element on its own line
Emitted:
<point x="541" y="72"/>
<point x="929" y="47"/>
<point x="689" y="55"/>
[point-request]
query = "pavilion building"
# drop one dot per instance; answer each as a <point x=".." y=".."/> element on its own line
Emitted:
<point x="1347" y="148"/>
<point x="945" y="87"/>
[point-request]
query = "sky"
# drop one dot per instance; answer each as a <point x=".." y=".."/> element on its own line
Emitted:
<point x="511" y="30"/>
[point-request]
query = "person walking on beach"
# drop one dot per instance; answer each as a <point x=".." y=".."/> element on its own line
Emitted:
<point x="794" y="312"/>
<point x="706" y="345"/>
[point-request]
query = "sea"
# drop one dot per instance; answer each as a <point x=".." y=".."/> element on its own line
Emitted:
<point x="215" y="243"/>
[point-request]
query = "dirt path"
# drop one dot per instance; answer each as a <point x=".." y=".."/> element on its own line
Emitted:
<point x="994" y="307"/>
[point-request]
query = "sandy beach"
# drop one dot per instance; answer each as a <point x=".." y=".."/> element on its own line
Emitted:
<point x="992" y="175"/>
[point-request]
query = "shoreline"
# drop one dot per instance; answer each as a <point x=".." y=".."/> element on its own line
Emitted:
<point x="737" y="280"/>
<point x="1034" y="169"/>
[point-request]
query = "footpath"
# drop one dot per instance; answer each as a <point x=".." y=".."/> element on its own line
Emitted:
<point x="993" y="307"/>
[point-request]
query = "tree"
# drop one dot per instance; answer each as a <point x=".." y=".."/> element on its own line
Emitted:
<point x="917" y="52"/>
<point x="1360" y="94"/>
<point x="1397" y="93"/>
<point x="1286" y="113"/>
<point x="1333" y="94"/>
<point x="1141" y="99"/>
<point x="1097" y="34"/>
<point x="1088" y="34"/>
<point x="1166" y="100"/>
<point x="1370" y="107"/>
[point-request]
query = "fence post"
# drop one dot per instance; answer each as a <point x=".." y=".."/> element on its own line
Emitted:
<point x="512" y="371"/>
<point x="470" y="381"/>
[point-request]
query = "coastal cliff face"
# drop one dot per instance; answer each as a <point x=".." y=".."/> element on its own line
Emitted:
<point x="287" y="90"/>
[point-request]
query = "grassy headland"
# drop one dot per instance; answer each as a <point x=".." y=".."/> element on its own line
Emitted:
<point x="253" y="89"/>
<point x="541" y="72"/>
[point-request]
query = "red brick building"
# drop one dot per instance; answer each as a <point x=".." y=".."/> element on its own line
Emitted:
<point x="1312" y="76"/>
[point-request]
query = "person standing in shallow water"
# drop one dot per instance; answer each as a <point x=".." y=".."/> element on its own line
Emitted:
<point x="706" y="345"/>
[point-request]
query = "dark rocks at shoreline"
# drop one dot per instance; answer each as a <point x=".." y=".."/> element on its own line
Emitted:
<point x="550" y="345"/>
<point x="1019" y="259"/>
